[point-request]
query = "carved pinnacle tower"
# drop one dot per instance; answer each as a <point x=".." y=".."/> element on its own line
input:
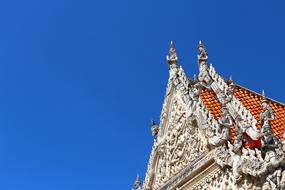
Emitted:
<point x="204" y="76"/>
<point x="203" y="55"/>
<point x="172" y="60"/>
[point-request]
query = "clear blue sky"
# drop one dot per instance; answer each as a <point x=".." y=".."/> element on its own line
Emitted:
<point x="81" y="80"/>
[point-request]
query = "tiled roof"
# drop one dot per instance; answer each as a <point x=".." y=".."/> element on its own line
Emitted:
<point x="210" y="100"/>
<point x="252" y="102"/>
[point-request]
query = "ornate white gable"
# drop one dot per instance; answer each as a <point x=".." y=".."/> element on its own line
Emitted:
<point x="193" y="150"/>
<point x="179" y="140"/>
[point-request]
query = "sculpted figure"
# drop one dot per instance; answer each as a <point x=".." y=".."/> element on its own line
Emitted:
<point x="227" y="96"/>
<point x="268" y="114"/>
<point x="161" y="172"/>
<point x="162" y="152"/>
<point x="222" y="133"/>
<point x="154" y="129"/>
<point x="235" y="162"/>
<point x="178" y="150"/>
<point x="238" y="143"/>
<point x="271" y="147"/>
<point x="196" y="88"/>
<point x="225" y="124"/>
<point x="203" y="56"/>
<point x="177" y="154"/>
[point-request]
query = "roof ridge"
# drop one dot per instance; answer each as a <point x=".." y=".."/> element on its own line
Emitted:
<point x="256" y="93"/>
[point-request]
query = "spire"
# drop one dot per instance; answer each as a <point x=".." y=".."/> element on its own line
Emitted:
<point x="172" y="55"/>
<point x="153" y="122"/>
<point x="137" y="183"/>
<point x="195" y="78"/>
<point x="264" y="99"/>
<point x="202" y="54"/>
<point x="204" y="76"/>
<point x="200" y="43"/>
<point x="231" y="78"/>
<point x="231" y="82"/>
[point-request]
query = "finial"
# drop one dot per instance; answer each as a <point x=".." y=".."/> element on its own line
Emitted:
<point x="202" y="56"/>
<point x="138" y="178"/>
<point x="195" y="78"/>
<point x="264" y="99"/>
<point x="231" y="78"/>
<point x="200" y="42"/>
<point x="231" y="81"/>
<point x="172" y="55"/>
<point x="154" y="129"/>
<point x="137" y="183"/>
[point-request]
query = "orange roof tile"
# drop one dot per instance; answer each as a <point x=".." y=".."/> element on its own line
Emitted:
<point x="252" y="102"/>
<point x="210" y="100"/>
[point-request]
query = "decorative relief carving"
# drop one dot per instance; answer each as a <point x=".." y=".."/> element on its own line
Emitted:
<point x="222" y="133"/>
<point x="224" y="179"/>
<point x="178" y="147"/>
<point x="179" y="142"/>
<point x="224" y="93"/>
<point x="266" y="162"/>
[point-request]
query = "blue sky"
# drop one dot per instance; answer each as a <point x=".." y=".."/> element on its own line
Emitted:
<point x="81" y="80"/>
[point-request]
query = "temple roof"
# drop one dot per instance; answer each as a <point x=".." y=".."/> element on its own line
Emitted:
<point x="252" y="102"/>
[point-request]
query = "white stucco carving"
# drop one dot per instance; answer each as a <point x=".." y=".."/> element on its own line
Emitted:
<point x="193" y="150"/>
